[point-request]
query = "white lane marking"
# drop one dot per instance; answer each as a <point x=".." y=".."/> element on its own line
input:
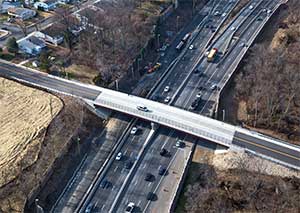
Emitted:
<point x="135" y="182"/>
<point x="102" y="207"/>
<point x="139" y="203"/>
<point x="131" y="154"/>
<point x="116" y="168"/>
<point x="144" y="166"/>
<point x="125" y="152"/>
<point x="149" y="184"/>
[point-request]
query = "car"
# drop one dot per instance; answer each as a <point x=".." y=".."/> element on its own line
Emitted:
<point x="151" y="196"/>
<point x="163" y="48"/>
<point x="259" y="19"/>
<point x="269" y="11"/>
<point x="213" y="30"/>
<point x="232" y="28"/>
<point x="242" y="45"/>
<point x="224" y="14"/>
<point x="167" y="99"/>
<point x="119" y="156"/>
<point x="214" y="87"/>
<point x="206" y="53"/>
<point x="199" y="94"/>
<point x="191" y="47"/>
<point x="162" y="170"/>
<point x="201" y="88"/>
<point x="163" y="152"/>
<point x="155" y="67"/>
<point x="197" y="70"/>
<point x="142" y="108"/>
<point x="251" y="7"/>
<point x="89" y="208"/>
<point x="128" y="165"/>
<point x="167" y="89"/>
<point x="180" y="143"/>
<point x="217" y="13"/>
<point x="104" y="184"/>
<point x="148" y="177"/>
<point x="195" y="103"/>
<point x="130" y="207"/>
<point x="207" y="26"/>
<point x="134" y="130"/>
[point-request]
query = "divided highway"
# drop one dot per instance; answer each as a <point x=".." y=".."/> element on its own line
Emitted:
<point x="184" y="84"/>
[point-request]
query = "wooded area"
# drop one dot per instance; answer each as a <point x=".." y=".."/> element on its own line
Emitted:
<point x="270" y="81"/>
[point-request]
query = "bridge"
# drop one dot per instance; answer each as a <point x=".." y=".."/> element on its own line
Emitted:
<point x="179" y="119"/>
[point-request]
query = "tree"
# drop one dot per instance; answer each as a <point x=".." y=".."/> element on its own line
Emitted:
<point x="12" y="45"/>
<point x="44" y="60"/>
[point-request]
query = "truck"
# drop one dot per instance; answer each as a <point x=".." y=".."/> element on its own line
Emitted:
<point x="212" y="54"/>
<point x="183" y="41"/>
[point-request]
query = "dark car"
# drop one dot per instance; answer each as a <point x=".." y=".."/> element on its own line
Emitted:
<point x="162" y="171"/>
<point x="151" y="196"/>
<point x="163" y="152"/>
<point x="104" y="184"/>
<point x="89" y="208"/>
<point x="128" y="165"/>
<point x="148" y="177"/>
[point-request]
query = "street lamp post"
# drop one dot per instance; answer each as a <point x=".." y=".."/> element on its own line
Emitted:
<point x="177" y="23"/>
<point x="223" y="113"/>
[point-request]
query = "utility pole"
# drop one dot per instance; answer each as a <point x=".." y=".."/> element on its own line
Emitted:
<point x="223" y="113"/>
<point x="117" y="85"/>
<point x="177" y="23"/>
<point x="158" y="43"/>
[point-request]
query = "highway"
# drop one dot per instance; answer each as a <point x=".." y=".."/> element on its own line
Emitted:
<point x="184" y="86"/>
<point x="163" y="138"/>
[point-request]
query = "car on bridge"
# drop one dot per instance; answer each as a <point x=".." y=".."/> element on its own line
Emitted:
<point x="142" y="108"/>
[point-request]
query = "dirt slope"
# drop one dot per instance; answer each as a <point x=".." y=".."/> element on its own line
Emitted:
<point x="25" y="114"/>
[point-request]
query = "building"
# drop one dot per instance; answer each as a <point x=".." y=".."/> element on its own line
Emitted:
<point x="5" y="5"/>
<point x="46" y="5"/>
<point x="31" y="45"/>
<point x="21" y="13"/>
<point x="53" y="34"/>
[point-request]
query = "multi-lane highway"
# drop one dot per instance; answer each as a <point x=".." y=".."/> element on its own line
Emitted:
<point x="128" y="185"/>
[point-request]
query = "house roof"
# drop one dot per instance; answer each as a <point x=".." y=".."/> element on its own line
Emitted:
<point x="18" y="10"/>
<point x="54" y="30"/>
<point x="36" y="41"/>
<point x="49" y="1"/>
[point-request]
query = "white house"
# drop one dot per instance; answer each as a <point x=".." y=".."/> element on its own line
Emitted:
<point x="53" y="34"/>
<point x="46" y="5"/>
<point x="21" y="13"/>
<point x="31" y="45"/>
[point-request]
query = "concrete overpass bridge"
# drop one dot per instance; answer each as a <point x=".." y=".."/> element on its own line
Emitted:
<point x="179" y="119"/>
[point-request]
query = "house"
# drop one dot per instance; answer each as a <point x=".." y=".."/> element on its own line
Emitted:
<point x="21" y="13"/>
<point x="53" y="34"/>
<point x="45" y="5"/>
<point x="31" y="45"/>
<point x="5" y="5"/>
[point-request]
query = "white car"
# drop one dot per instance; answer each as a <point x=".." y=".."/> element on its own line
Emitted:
<point x="224" y="14"/>
<point x="199" y="95"/>
<point x="167" y="88"/>
<point x="130" y="207"/>
<point x="232" y="28"/>
<point x="251" y="7"/>
<point x="191" y="47"/>
<point x="133" y="130"/>
<point x="179" y="143"/>
<point x="142" y="108"/>
<point x="119" y="156"/>
<point x="213" y="87"/>
<point x="167" y="99"/>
